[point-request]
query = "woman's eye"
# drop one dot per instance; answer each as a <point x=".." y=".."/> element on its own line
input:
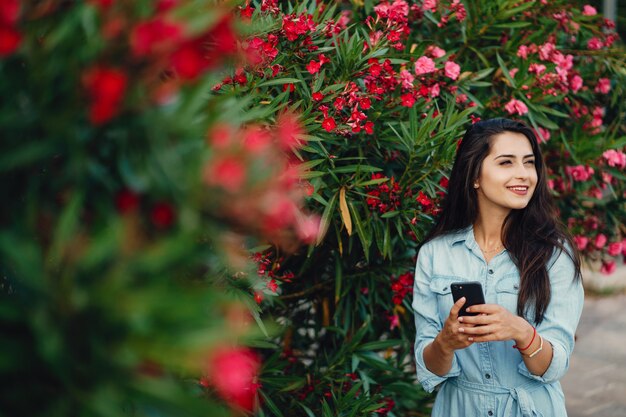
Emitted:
<point x="531" y="162"/>
<point x="505" y="163"/>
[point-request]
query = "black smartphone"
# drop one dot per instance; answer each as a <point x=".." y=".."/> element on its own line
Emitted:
<point x="473" y="293"/>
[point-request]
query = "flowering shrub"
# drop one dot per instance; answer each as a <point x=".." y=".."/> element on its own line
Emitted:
<point x="155" y="155"/>
<point x="128" y="207"/>
<point x="385" y="90"/>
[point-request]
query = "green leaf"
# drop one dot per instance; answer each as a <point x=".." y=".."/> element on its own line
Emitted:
<point x="270" y="404"/>
<point x="380" y="344"/>
<point x="505" y="70"/>
<point x="326" y="218"/>
<point x="279" y="81"/>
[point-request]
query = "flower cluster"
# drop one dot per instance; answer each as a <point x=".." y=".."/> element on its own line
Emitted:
<point x="250" y="165"/>
<point x="385" y="197"/>
<point x="401" y="287"/>
<point x="232" y="372"/>
<point x="171" y="51"/>
<point x="270" y="269"/>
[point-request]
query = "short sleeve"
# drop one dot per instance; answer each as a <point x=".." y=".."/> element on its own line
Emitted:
<point x="561" y="318"/>
<point x="427" y="321"/>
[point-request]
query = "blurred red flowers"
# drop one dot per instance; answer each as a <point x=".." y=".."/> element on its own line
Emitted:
<point x="105" y="87"/>
<point x="233" y="374"/>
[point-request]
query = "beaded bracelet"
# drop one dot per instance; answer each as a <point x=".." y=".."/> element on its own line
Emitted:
<point x="531" y="341"/>
<point x="539" y="349"/>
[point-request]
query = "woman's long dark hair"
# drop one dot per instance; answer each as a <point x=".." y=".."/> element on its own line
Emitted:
<point x="531" y="235"/>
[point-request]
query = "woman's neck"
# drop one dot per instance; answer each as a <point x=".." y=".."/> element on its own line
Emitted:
<point x="488" y="231"/>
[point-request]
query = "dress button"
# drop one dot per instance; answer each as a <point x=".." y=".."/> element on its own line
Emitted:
<point x="490" y="413"/>
<point x="488" y="376"/>
<point x="491" y="272"/>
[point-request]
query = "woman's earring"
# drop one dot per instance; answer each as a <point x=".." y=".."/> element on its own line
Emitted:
<point x="475" y="185"/>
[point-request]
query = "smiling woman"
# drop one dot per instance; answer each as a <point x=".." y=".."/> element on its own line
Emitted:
<point x="499" y="227"/>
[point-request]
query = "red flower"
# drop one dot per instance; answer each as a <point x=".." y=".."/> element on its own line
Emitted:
<point x="9" y="12"/>
<point x="246" y="12"/>
<point x="149" y="37"/>
<point x="10" y="40"/>
<point x="272" y="285"/>
<point x="162" y="215"/>
<point x="126" y="201"/>
<point x="329" y="124"/>
<point x="369" y="127"/>
<point x="228" y="173"/>
<point x="106" y="87"/>
<point x="407" y="100"/>
<point x="288" y="131"/>
<point x="233" y="373"/>
<point x="188" y="61"/>
<point x="318" y="96"/>
<point x="313" y="67"/>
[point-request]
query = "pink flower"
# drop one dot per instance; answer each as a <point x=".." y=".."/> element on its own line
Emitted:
<point x="581" y="242"/>
<point x="579" y="172"/>
<point x="615" y="248"/>
<point x="516" y="106"/>
<point x="615" y="158"/>
<point x="452" y="70"/>
<point x="308" y="228"/>
<point x="434" y="90"/>
<point x="603" y="86"/>
<point x="542" y="134"/>
<point x="589" y="10"/>
<point x="546" y="50"/>
<point x="513" y="71"/>
<point x="594" y="44"/>
<point x="600" y="241"/>
<point x="430" y="5"/>
<point x="424" y="65"/>
<point x="407" y="79"/>
<point x="522" y="51"/>
<point x="536" y="68"/>
<point x="576" y="83"/>
<point x="233" y="372"/>
<point x="608" y="267"/>
<point x="435" y="51"/>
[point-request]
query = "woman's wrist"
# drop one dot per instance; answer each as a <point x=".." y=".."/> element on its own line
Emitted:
<point x="525" y="334"/>
<point x="441" y="346"/>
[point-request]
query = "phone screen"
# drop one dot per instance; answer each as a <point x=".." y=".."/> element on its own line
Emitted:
<point x="473" y="293"/>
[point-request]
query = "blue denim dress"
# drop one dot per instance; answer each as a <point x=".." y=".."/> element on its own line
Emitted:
<point x="491" y="379"/>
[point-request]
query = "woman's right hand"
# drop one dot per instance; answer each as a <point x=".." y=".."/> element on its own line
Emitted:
<point x="449" y="338"/>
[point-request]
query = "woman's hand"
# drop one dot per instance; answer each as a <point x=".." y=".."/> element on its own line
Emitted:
<point x="495" y="322"/>
<point x="451" y="338"/>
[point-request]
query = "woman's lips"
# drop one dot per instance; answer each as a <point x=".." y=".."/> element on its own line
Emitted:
<point x="519" y="190"/>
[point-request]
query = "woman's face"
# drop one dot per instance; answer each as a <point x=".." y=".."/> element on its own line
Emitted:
<point x="508" y="176"/>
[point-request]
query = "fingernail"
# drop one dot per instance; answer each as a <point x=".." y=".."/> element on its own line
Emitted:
<point x="468" y="310"/>
<point x="471" y="339"/>
<point x="461" y="319"/>
<point x="461" y="329"/>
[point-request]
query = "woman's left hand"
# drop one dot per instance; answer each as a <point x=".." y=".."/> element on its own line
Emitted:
<point x="495" y="322"/>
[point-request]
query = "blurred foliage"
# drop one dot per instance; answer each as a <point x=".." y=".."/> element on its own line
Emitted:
<point x="147" y="154"/>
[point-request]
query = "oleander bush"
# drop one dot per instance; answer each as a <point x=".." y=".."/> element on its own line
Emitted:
<point x="161" y="160"/>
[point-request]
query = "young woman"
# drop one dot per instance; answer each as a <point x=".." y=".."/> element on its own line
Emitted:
<point x="498" y="226"/>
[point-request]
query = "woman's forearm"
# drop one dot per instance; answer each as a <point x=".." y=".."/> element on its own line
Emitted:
<point x="437" y="358"/>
